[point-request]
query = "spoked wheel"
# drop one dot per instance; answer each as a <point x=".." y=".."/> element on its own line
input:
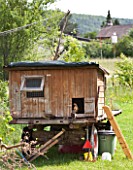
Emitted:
<point x="94" y="141"/>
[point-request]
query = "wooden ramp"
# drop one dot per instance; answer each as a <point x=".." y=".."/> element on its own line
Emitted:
<point x="118" y="132"/>
<point x="44" y="148"/>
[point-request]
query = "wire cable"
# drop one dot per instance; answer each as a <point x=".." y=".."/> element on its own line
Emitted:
<point x="23" y="27"/>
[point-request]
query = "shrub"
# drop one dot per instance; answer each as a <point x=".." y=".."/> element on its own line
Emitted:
<point x="125" y="71"/>
<point x="5" y="118"/>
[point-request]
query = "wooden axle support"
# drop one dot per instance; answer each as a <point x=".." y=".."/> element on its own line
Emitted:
<point x="118" y="132"/>
<point x="44" y="148"/>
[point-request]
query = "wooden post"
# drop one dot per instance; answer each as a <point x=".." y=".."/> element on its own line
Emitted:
<point x="118" y="132"/>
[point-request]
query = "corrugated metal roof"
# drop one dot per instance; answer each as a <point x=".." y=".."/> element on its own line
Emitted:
<point x="120" y="30"/>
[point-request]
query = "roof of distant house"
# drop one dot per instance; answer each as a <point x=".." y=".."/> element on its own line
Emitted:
<point x="120" y="30"/>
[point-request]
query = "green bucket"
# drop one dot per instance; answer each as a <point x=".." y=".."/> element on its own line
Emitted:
<point x="106" y="141"/>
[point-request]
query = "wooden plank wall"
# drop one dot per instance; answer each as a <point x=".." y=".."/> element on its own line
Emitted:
<point x="60" y="87"/>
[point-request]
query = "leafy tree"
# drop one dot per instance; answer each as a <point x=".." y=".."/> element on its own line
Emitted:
<point x="116" y="22"/>
<point x="91" y="35"/>
<point x="50" y="34"/>
<point x="73" y="50"/>
<point x="125" y="46"/>
<point x="131" y="34"/>
<point x="16" y="44"/>
<point x="103" y="24"/>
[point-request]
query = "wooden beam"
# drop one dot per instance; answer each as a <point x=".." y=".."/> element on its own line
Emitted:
<point x="43" y="149"/>
<point x="118" y="132"/>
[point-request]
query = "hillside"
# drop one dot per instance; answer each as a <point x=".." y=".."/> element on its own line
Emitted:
<point x="90" y="23"/>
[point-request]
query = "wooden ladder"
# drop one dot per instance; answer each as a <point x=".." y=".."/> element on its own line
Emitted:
<point x="44" y="148"/>
<point x="118" y="132"/>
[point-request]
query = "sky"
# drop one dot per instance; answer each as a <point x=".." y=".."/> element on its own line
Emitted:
<point x="118" y="8"/>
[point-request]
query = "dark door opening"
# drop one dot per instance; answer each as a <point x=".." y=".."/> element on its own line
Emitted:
<point x="78" y="105"/>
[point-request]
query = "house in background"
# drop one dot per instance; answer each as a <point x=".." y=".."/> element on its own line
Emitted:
<point x="120" y="30"/>
<point x="110" y="27"/>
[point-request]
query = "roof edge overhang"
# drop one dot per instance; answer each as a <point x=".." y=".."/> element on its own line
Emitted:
<point x="42" y="65"/>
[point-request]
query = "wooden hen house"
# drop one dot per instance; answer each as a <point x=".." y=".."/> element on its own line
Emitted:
<point x="48" y="92"/>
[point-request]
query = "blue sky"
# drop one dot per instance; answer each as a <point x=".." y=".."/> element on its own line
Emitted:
<point x="118" y="8"/>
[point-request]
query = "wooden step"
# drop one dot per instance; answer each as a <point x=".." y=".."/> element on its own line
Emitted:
<point x="118" y="132"/>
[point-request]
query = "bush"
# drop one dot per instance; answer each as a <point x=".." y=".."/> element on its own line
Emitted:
<point x="125" y="71"/>
<point x="96" y="50"/>
<point x="73" y="50"/>
<point x="5" y="118"/>
<point x="120" y="85"/>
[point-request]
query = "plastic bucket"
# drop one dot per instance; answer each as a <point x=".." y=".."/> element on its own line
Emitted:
<point x="88" y="156"/>
<point x="107" y="142"/>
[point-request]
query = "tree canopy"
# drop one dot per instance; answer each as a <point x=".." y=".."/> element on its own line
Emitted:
<point x="22" y="24"/>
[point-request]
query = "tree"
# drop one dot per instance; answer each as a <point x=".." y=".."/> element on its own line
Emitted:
<point x="73" y="50"/>
<point x="17" y="43"/>
<point x="116" y="22"/>
<point x="71" y="28"/>
<point x="108" y="18"/>
<point x="125" y="45"/>
<point x="103" y="24"/>
<point x="91" y="35"/>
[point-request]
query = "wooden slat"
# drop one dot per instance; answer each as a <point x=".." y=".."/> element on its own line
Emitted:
<point x="48" y="92"/>
<point x="118" y="132"/>
<point x="94" y="83"/>
<point x="59" y="86"/>
<point x="41" y="100"/>
<point x="79" y="83"/>
<point x="90" y="106"/>
<point x="65" y="83"/>
<point x="54" y="92"/>
<point x="16" y="98"/>
<point x="72" y="89"/>
<point x="43" y="149"/>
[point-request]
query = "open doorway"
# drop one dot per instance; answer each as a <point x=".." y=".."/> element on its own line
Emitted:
<point x="78" y="103"/>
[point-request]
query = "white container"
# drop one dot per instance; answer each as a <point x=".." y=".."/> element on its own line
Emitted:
<point x="106" y="156"/>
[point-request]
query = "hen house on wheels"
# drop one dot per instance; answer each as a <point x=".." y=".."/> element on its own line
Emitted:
<point x="57" y="94"/>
